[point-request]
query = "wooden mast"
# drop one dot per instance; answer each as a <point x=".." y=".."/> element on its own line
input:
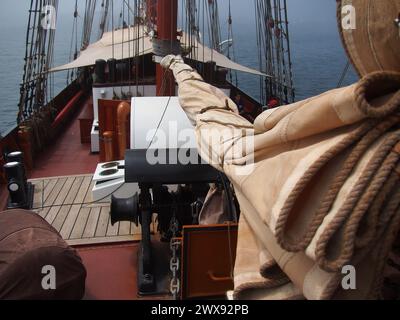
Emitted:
<point x="167" y="16"/>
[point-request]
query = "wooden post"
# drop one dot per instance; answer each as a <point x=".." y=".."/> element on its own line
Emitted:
<point x="123" y="111"/>
<point x="24" y="140"/>
<point x="108" y="146"/>
<point x="2" y="163"/>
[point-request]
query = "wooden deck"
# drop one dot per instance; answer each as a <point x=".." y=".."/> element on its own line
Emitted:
<point x="65" y="202"/>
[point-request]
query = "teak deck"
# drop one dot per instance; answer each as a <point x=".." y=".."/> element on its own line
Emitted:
<point x="65" y="203"/>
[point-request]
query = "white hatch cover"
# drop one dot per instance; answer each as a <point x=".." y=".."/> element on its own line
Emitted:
<point x="160" y="122"/>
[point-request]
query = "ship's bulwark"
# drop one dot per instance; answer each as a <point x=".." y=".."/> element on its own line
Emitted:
<point x="322" y="192"/>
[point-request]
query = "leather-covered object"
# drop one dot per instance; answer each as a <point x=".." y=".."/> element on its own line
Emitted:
<point x="27" y="245"/>
<point x="370" y="34"/>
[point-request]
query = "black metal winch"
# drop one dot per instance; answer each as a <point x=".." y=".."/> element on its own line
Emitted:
<point x="154" y="197"/>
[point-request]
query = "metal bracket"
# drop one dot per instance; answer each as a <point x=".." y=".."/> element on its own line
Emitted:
<point x="165" y="47"/>
<point x="397" y="23"/>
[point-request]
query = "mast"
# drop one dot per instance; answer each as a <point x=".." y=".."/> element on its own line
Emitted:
<point x="167" y="16"/>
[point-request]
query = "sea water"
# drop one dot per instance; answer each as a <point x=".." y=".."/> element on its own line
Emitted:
<point x="317" y="54"/>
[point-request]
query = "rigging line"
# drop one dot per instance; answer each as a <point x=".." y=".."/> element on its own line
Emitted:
<point x="204" y="34"/>
<point x="228" y="194"/>
<point x="122" y="44"/>
<point x="159" y="123"/>
<point x="289" y="52"/>
<point x="45" y="49"/>
<point x="91" y="21"/>
<point x="259" y="47"/>
<point x="85" y="22"/>
<point x="137" y="48"/>
<point x="277" y="49"/>
<point x="142" y="58"/>
<point x="74" y="34"/>
<point x="79" y="203"/>
<point x="282" y="52"/>
<point x="165" y="108"/>
<point x="208" y="25"/>
<point x="112" y="26"/>
<point x="127" y="2"/>
<point x="173" y="32"/>
<point x="37" y="89"/>
<point x="22" y="110"/>
<point x="187" y="24"/>
<point x="27" y="41"/>
<point x="231" y="36"/>
<point x="129" y="48"/>
<point x="344" y="73"/>
<point x="85" y="204"/>
<point x="120" y="19"/>
<point x="50" y="63"/>
<point x="32" y="65"/>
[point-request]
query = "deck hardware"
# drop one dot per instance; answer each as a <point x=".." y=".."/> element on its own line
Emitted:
<point x="20" y="191"/>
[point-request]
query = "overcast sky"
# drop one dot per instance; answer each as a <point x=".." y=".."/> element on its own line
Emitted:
<point x="315" y="42"/>
<point x="305" y="12"/>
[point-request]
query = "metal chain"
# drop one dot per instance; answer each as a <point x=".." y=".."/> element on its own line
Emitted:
<point x="174" y="266"/>
<point x="174" y="263"/>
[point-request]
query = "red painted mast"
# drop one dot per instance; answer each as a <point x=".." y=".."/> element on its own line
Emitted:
<point x="167" y="16"/>
<point x="151" y="11"/>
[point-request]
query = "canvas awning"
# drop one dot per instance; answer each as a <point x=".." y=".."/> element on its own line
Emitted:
<point x="133" y="41"/>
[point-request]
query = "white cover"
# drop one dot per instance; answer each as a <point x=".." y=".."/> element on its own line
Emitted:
<point x="148" y="113"/>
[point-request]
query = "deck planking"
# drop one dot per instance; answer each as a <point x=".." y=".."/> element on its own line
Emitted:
<point x="66" y="203"/>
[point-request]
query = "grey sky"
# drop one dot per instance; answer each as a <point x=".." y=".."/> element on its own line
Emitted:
<point x="318" y="55"/>
<point x="306" y="12"/>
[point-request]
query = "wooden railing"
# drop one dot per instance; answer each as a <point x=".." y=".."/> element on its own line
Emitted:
<point x="12" y="141"/>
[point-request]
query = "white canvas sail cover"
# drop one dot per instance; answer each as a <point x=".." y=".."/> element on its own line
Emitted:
<point x="134" y="41"/>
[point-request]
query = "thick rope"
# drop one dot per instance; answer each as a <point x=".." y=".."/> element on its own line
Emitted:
<point x="341" y="177"/>
<point x="373" y="83"/>
<point x="367" y="229"/>
<point x="353" y="210"/>
<point x="363" y="137"/>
